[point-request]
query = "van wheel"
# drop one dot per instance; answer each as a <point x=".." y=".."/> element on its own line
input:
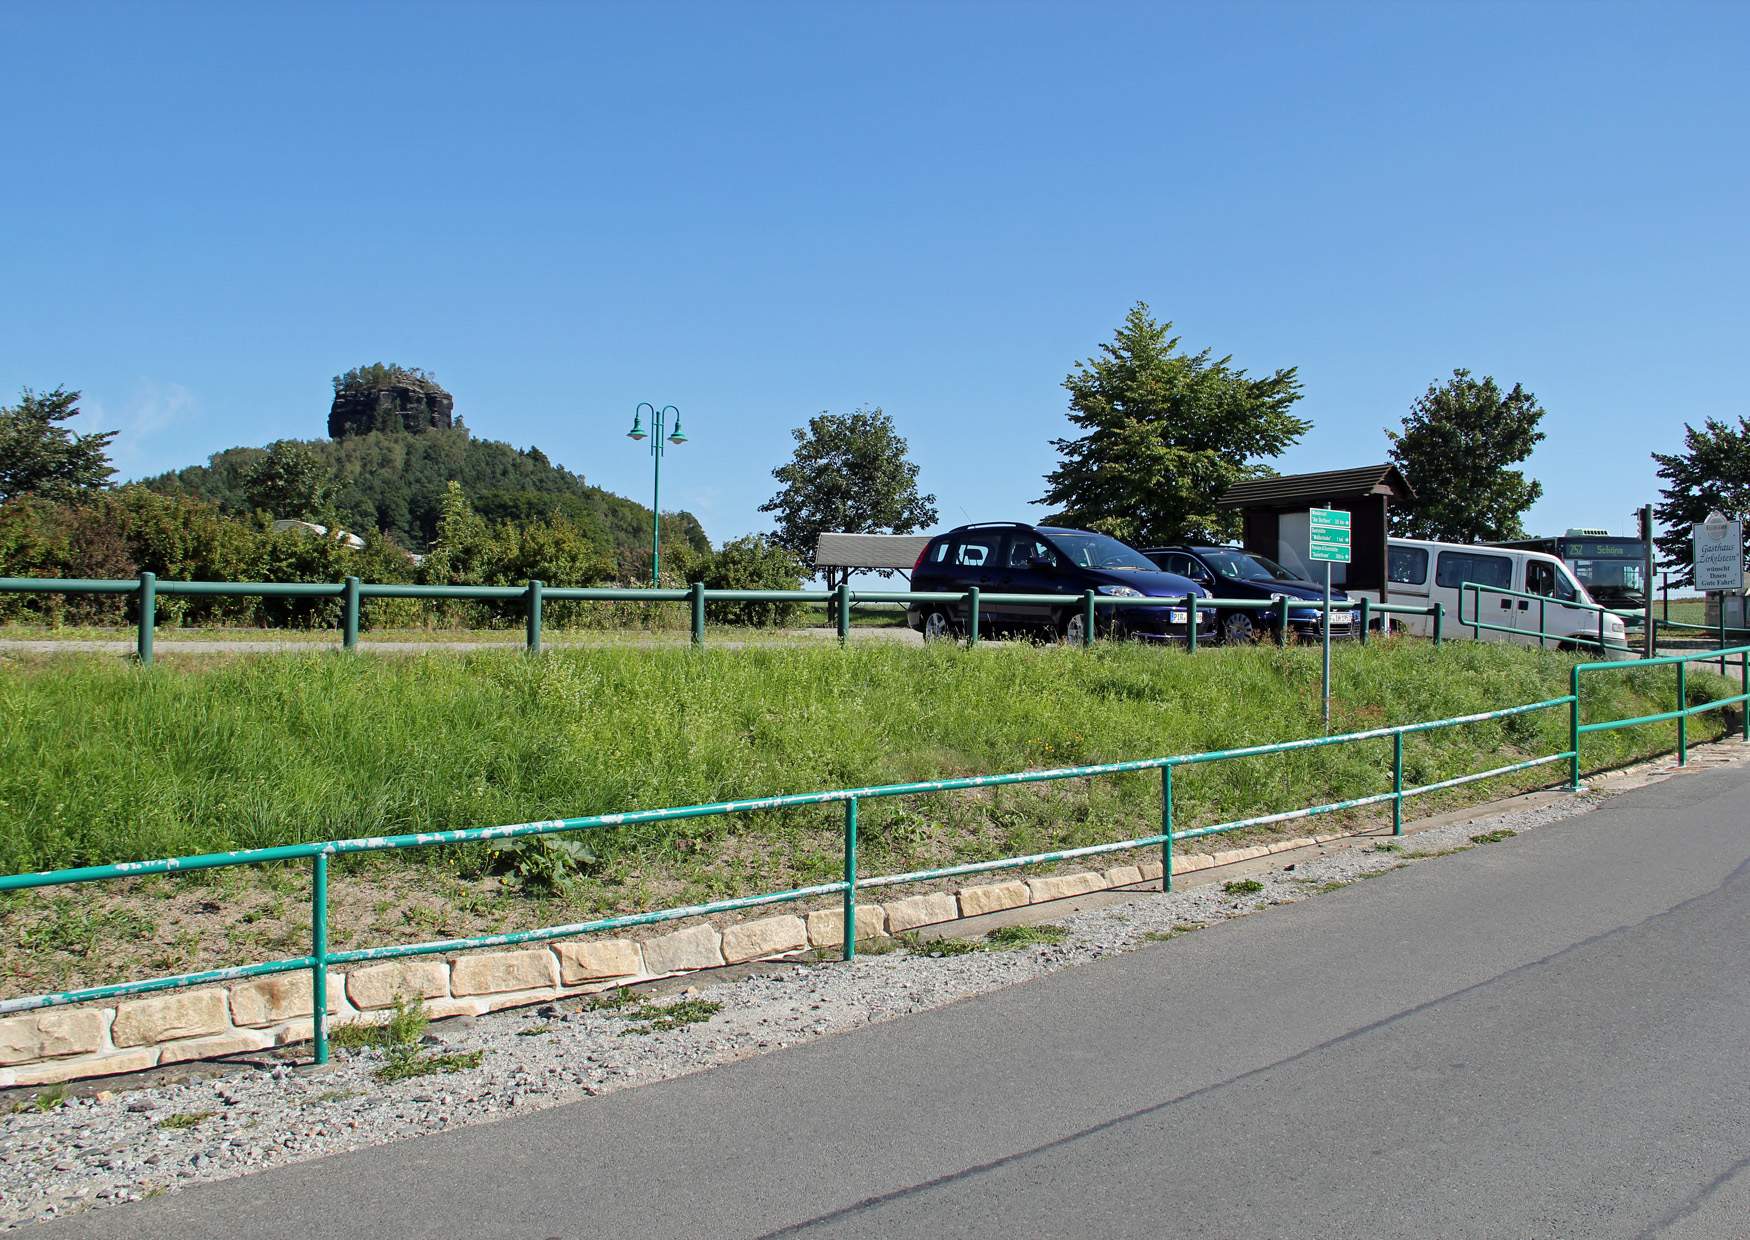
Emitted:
<point x="1237" y="629"/>
<point x="938" y="627"/>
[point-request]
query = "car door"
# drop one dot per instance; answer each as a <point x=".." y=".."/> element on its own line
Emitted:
<point x="1029" y="567"/>
<point x="976" y="561"/>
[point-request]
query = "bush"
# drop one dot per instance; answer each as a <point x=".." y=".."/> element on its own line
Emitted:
<point x="753" y="563"/>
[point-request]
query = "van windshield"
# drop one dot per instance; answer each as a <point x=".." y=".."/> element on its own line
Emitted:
<point x="1099" y="551"/>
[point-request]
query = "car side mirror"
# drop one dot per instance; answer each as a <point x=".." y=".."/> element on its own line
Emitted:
<point x="1044" y="562"/>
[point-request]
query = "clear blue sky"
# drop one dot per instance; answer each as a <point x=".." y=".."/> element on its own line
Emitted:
<point x="759" y="211"/>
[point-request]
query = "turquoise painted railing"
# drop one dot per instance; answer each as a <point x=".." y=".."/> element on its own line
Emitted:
<point x="1478" y="626"/>
<point x="321" y="957"/>
<point x="969" y="604"/>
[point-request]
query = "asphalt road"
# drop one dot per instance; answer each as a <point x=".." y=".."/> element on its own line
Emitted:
<point x="1543" y="1037"/>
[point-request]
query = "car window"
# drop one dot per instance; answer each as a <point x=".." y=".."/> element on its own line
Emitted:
<point x="1023" y="551"/>
<point x="1457" y="567"/>
<point x="978" y="550"/>
<point x="1172" y="562"/>
<point x="1101" y="551"/>
<point x="1408" y="566"/>
<point x="1541" y="577"/>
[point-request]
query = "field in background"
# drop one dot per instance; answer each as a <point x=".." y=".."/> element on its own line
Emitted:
<point x="104" y="761"/>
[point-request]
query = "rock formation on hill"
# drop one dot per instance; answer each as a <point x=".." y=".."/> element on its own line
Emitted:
<point x="388" y="398"/>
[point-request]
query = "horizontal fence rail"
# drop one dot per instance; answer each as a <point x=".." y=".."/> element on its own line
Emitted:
<point x="321" y="958"/>
<point x="968" y="605"/>
<point x="1478" y="626"/>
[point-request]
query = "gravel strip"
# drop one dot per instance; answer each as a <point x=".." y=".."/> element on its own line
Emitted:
<point x="107" y="1144"/>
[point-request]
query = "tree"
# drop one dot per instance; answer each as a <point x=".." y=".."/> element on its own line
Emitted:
<point x="1455" y="448"/>
<point x="753" y="562"/>
<point x="1166" y="433"/>
<point x="289" y="480"/>
<point x="39" y="456"/>
<point x="849" y="475"/>
<point x="1711" y="474"/>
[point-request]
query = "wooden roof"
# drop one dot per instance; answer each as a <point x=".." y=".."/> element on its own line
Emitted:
<point x="1301" y="490"/>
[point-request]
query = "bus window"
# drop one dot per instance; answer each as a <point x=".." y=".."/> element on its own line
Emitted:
<point x="1407" y="566"/>
<point x="1457" y="567"/>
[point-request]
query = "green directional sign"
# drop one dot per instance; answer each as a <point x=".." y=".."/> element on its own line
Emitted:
<point x="1330" y="535"/>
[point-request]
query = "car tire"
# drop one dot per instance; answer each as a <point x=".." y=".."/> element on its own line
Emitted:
<point x="1238" y="629"/>
<point x="1072" y="627"/>
<point x="939" y="626"/>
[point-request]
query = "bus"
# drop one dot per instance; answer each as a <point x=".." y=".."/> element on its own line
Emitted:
<point x="1611" y="568"/>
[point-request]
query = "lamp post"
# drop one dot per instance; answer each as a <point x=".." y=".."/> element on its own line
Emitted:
<point x="657" y="447"/>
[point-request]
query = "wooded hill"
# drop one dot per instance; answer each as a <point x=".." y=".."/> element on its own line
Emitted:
<point x="393" y="482"/>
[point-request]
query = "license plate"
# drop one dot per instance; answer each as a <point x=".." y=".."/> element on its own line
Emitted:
<point x="1176" y="615"/>
<point x="1342" y="617"/>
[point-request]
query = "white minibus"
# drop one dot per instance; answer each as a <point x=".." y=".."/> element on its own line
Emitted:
<point x="1422" y="572"/>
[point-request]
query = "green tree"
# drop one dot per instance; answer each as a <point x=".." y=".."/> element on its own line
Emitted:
<point x="289" y="480"/>
<point x="849" y="474"/>
<point x="1165" y="434"/>
<point x="465" y="551"/>
<point x="1711" y="474"/>
<point x="1455" y="447"/>
<point x="39" y="456"/>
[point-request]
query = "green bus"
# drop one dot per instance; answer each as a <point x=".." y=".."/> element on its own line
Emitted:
<point x="1612" y="569"/>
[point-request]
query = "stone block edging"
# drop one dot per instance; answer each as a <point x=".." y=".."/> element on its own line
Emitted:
<point x="58" y="1044"/>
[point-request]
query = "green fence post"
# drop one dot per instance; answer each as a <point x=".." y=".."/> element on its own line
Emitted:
<point x="532" y="616"/>
<point x="1574" y="729"/>
<point x="698" y="601"/>
<point x="319" y="954"/>
<point x="1683" y="719"/>
<point x="851" y="879"/>
<point x="1087" y="618"/>
<point x="1602" y="648"/>
<point x="1743" y="687"/>
<point x="1364" y="605"/>
<point x="1439" y="620"/>
<point x="148" y="616"/>
<point x="1167" y="827"/>
<point x="1282" y="621"/>
<point x="1190" y="624"/>
<point x="1542" y="623"/>
<point x="1397" y="783"/>
<point x="1476" y="610"/>
<point x="972" y="616"/>
<point x="349" y="617"/>
<point x="1722" y="632"/>
<point x="844" y="609"/>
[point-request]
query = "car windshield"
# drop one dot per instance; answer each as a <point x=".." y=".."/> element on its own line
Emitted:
<point x="1099" y="551"/>
<point x="1244" y="566"/>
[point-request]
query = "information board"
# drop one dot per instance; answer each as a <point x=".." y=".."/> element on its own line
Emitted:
<point x="1719" y="554"/>
<point x="1329" y="530"/>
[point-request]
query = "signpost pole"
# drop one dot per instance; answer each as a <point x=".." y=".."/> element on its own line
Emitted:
<point x="1649" y="641"/>
<point x="1326" y="637"/>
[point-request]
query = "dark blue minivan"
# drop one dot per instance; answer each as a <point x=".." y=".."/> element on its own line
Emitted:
<point x="1011" y="557"/>
<point x="1229" y="572"/>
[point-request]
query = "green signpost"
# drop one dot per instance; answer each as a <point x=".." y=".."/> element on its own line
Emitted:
<point x="1328" y="544"/>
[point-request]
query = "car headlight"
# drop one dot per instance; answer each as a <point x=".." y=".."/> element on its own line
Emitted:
<point x="1121" y="591"/>
<point x="1277" y="598"/>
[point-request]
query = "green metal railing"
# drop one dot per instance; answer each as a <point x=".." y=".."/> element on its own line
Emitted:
<point x="1683" y="712"/>
<point x="1478" y="626"/>
<point x="533" y="596"/>
<point x="321" y="957"/>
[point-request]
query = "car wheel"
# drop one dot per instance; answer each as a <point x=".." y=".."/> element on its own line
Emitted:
<point x="938" y="627"/>
<point x="1237" y="629"/>
<point x="1073" y="627"/>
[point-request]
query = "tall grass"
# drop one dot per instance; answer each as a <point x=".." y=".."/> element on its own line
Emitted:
<point x="101" y="761"/>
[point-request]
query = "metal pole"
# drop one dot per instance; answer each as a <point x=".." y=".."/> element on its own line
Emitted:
<point x="1650" y="645"/>
<point x="1325" y="637"/>
<point x="850" y="952"/>
<point x="1439" y="620"/>
<point x="1574" y="728"/>
<point x="698" y="601"/>
<point x="319" y="954"/>
<point x="148" y="616"/>
<point x="1723" y="595"/>
<point x="1542" y="623"/>
<point x="349" y="620"/>
<point x="1282" y="622"/>
<point x="1191" y="624"/>
<point x="1744" y="687"/>
<point x="1087" y="618"/>
<point x="1683" y="719"/>
<point x="1167" y="827"/>
<point x="844" y="610"/>
<point x="532" y="618"/>
<point x="972" y="616"/>
<point x="1365" y="601"/>
<point x="1397" y="783"/>
<point x="656" y="504"/>
<point x="1476" y="611"/>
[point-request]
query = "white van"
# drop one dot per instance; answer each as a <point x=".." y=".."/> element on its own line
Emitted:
<point x="1432" y="572"/>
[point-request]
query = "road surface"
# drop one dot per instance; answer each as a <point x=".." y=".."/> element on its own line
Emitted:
<point x="1542" y="1037"/>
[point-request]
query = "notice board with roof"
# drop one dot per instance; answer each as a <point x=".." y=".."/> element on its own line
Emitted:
<point x="1274" y="513"/>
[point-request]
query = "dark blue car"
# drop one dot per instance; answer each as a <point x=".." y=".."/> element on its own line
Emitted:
<point x="1228" y="572"/>
<point x="1010" y="557"/>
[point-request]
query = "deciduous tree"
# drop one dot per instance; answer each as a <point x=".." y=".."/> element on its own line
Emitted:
<point x="1455" y="447"/>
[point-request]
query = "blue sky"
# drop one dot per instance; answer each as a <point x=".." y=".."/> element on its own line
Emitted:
<point x="759" y="211"/>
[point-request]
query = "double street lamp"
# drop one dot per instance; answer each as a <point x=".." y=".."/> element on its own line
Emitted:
<point x="658" y="417"/>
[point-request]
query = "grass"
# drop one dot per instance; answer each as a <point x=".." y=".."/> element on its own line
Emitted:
<point x="244" y="752"/>
<point x="43" y="1102"/>
<point x="1242" y="886"/>
<point x="937" y="948"/>
<point x="1493" y="837"/>
<point x="407" y="1067"/>
<point x="183" y="1120"/>
<point x="1009" y="938"/>
<point x="648" y="1017"/>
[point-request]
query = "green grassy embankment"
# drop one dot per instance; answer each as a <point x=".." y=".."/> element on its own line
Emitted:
<point x="103" y="761"/>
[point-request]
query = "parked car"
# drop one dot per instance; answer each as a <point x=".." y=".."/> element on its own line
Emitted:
<point x="1012" y="557"/>
<point x="1229" y="572"/>
<point x="1424" y="572"/>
